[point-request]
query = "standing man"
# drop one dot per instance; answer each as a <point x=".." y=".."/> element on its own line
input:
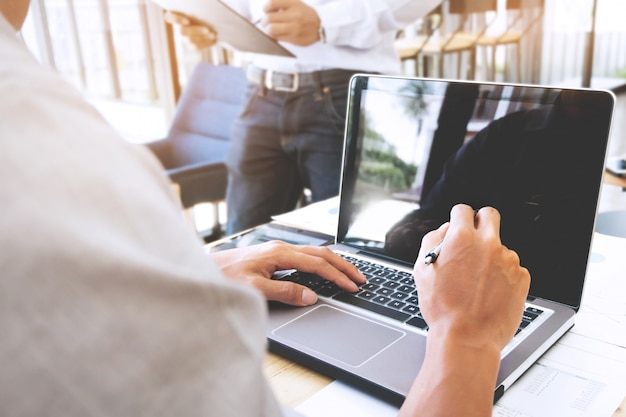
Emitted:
<point x="290" y="135"/>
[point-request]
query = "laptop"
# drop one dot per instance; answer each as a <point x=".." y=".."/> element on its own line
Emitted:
<point x="413" y="149"/>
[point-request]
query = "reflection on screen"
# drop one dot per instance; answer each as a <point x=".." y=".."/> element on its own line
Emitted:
<point x="421" y="146"/>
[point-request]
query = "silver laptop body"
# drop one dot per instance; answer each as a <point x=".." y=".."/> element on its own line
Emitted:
<point x="414" y="148"/>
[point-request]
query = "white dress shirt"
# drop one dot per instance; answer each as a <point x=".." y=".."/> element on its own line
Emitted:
<point x="359" y="34"/>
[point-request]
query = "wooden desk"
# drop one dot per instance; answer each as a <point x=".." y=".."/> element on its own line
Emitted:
<point x="291" y="382"/>
<point x="295" y="383"/>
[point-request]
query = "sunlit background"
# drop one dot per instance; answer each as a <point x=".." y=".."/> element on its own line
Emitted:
<point x="132" y="66"/>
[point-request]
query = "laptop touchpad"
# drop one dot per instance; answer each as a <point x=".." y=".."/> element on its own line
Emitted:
<point x="339" y="334"/>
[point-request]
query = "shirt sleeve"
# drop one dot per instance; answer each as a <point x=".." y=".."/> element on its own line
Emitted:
<point x="363" y="23"/>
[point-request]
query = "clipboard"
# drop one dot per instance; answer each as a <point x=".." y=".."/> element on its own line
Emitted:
<point x="233" y="30"/>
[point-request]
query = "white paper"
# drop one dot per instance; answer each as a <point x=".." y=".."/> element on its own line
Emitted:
<point x="340" y="400"/>
<point x="603" y="312"/>
<point x="578" y="377"/>
<point x="318" y="217"/>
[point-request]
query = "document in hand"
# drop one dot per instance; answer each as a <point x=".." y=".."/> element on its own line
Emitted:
<point x="233" y="30"/>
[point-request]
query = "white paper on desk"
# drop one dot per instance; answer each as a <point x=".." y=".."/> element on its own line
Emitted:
<point x="603" y="312"/>
<point x="579" y="377"/>
<point x="318" y="217"/>
<point x="341" y="400"/>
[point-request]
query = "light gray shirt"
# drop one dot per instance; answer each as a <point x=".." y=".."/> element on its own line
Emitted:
<point x="109" y="305"/>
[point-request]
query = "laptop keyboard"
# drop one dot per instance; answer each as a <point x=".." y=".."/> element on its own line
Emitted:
<point x="388" y="291"/>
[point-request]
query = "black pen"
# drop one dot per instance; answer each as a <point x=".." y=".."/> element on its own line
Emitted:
<point x="433" y="254"/>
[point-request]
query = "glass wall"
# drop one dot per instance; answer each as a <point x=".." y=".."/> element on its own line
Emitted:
<point x="131" y="65"/>
<point x="116" y="52"/>
<point x="585" y="43"/>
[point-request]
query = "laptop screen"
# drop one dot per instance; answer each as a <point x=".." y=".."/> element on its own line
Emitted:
<point x="417" y="147"/>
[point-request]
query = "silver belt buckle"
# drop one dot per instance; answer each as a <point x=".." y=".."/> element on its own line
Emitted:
<point x="269" y="82"/>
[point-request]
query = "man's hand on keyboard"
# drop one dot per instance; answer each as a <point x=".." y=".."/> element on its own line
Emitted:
<point x="256" y="264"/>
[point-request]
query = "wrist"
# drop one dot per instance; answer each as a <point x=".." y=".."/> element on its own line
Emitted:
<point x="462" y="333"/>
<point x="462" y="357"/>
<point x="455" y="379"/>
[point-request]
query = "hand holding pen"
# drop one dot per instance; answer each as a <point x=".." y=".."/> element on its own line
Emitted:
<point x="433" y="254"/>
<point x="472" y="299"/>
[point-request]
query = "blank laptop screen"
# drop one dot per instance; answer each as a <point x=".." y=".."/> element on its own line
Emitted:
<point x="416" y="147"/>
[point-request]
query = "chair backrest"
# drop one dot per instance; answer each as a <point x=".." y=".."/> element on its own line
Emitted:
<point x="526" y="13"/>
<point x="472" y="15"/>
<point x="196" y="147"/>
<point x="473" y="6"/>
<point x="210" y="102"/>
<point x="523" y="4"/>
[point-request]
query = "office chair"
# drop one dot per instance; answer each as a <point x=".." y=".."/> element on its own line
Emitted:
<point x="522" y="16"/>
<point x="408" y="46"/>
<point x="194" y="151"/>
<point x="458" y="24"/>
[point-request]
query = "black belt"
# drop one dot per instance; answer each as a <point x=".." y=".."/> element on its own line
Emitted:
<point x="294" y="81"/>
